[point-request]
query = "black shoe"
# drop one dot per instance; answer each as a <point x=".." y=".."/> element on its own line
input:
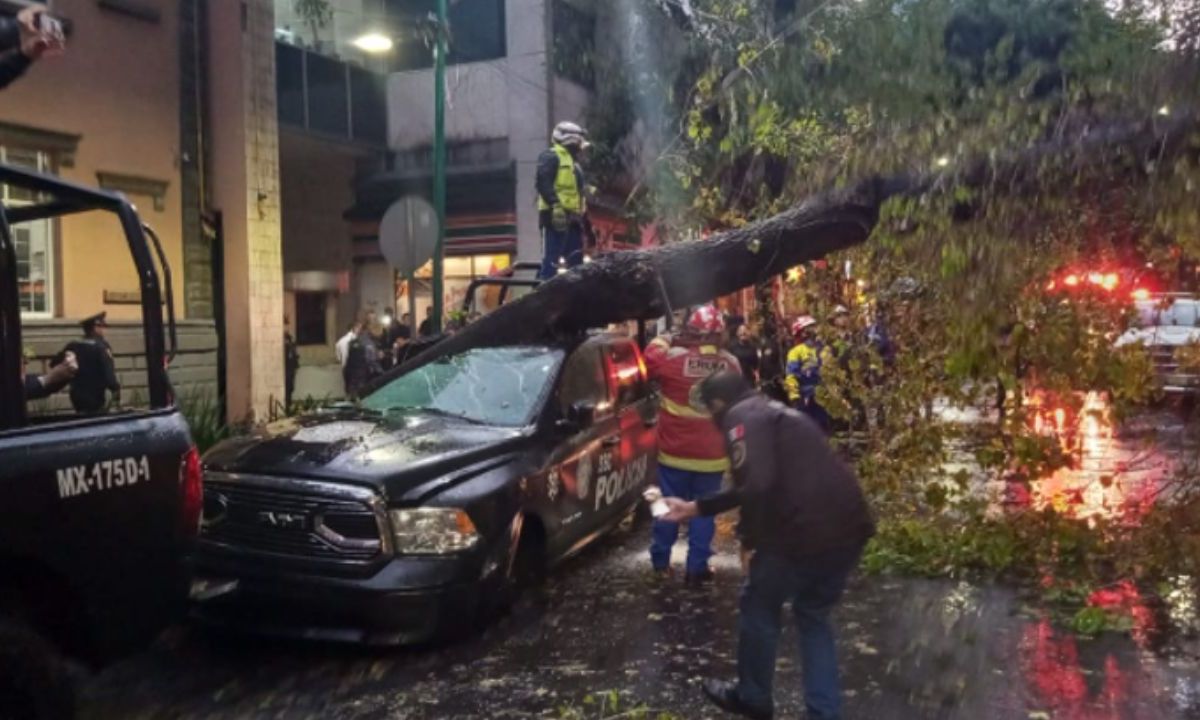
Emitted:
<point x="699" y="578"/>
<point x="725" y="696"/>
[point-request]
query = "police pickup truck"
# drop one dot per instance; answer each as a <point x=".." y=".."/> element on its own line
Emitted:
<point x="1168" y="326"/>
<point x="95" y="509"/>
<point x="413" y="513"/>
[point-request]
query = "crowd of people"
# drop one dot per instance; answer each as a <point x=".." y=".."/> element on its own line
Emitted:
<point x="374" y="344"/>
<point x="789" y="365"/>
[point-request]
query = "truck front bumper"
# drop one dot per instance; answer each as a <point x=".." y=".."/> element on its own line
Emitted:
<point x="384" y="608"/>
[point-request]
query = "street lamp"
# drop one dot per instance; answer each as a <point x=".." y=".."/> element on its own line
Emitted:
<point x="373" y="43"/>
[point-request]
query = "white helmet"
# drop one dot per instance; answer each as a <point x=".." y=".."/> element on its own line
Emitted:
<point x="568" y="134"/>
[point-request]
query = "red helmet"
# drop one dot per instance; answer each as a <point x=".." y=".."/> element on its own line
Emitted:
<point x="803" y="323"/>
<point x="706" y="320"/>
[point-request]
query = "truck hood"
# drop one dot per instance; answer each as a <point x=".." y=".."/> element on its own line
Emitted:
<point x="1170" y="335"/>
<point x="395" y="453"/>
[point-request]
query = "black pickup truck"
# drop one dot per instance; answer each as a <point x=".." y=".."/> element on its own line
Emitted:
<point x="95" y="510"/>
<point x="411" y="514"/>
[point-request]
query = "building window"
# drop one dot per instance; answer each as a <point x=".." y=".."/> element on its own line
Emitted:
<point x="477" y="32"/>
<point x="574" y="44"/>
<point x="34" y="241"/>
<point x="310" y="318"/>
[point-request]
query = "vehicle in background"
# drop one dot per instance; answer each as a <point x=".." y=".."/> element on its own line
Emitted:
<point x="428" y="505"/>
<point x="96" y="510"/>
<point x="1168" y="325"/>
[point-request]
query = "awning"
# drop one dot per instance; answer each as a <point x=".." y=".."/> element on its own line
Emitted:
<point x="494" y="234"/>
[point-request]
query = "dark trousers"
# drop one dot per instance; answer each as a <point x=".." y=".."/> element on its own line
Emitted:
<point x="566" y="246"/>
<point x="813" y="585"/>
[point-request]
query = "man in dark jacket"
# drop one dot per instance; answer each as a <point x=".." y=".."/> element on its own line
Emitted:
<point x="805" y="520"/>
<point x="23" y="40"/>
<point x="744" y="347"/>
<point x="97" y="375"/>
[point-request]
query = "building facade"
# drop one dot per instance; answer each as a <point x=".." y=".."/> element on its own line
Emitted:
<point x="264" y="146"/>
<point x="108" y="114"/>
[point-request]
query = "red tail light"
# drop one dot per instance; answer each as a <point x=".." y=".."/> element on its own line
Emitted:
<point x="191" y="492"/>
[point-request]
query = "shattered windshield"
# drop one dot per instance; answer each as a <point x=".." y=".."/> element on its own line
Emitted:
<point x="491" y="386"/>
<point x="1173" y="313"/>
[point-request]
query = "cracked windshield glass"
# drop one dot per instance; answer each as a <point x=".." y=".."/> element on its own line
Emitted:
<point x="499" y="386"/>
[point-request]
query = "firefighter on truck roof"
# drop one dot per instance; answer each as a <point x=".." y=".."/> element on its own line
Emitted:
<point x="691" y="459"/>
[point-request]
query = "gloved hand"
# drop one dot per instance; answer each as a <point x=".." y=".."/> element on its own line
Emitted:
<point x="559" y="219"/>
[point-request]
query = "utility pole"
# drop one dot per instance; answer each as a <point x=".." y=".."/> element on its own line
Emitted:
<point x="439" y="163"/>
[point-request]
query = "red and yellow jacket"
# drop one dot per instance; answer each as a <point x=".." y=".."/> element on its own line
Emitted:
<point x="687" y="437"/>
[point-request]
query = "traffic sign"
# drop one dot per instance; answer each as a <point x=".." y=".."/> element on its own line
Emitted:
<point x="408" y="234"/>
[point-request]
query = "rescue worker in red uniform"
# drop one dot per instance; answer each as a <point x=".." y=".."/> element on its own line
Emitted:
<point x="691" y="451"/>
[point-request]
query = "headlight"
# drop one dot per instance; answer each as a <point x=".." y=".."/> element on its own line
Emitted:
<point x="432" y="531"/>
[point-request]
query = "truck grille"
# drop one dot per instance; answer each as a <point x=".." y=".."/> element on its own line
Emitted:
<point x="1166" y="367"/>
<point x="1164" y="358"/>
<point x="297" y="518"/>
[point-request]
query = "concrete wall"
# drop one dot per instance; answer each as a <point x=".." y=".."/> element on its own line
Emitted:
<point x="245" y="180"/>
<point x="570" y="101"/>
<point x="118" y="88"/>
<point x="476" y="104"/>
<point x="506" y="98"/>
<point x="193" y="373"/>
<point x="316" y="187"/>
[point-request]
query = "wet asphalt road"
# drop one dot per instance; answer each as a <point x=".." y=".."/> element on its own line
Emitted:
<point x="911" y="649"/>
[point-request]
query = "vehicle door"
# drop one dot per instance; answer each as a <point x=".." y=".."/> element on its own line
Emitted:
<point x="589" y="430"/>
<point x="627" y="467"/>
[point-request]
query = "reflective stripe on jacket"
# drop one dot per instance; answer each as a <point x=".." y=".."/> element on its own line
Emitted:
<point x="803" y="371"/>
<point x="687" y="437"/>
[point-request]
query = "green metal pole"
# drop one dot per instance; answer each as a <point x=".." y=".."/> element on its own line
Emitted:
<point x="439" y="164"/>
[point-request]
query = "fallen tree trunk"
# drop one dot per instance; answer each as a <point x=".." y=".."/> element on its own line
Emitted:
<point x="649" y="283"/>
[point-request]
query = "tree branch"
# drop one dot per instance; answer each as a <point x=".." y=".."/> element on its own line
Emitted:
<point x="631" y="285"/>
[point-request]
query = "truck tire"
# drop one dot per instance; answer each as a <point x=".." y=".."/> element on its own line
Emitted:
<point x="34" y="682"/>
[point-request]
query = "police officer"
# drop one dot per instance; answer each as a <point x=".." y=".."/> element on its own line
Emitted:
<point x="291" y="364"/>
<point x="562" y="207"/>
<point x="97" y="374"/>
<point x="806" y="522"/>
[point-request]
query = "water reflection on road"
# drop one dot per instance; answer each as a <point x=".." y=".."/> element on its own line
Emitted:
<point x="912" y="649"/>
<point x="1116" y="476"/>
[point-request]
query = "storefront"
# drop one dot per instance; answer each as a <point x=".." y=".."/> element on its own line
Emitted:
<point x="476" y="246"/>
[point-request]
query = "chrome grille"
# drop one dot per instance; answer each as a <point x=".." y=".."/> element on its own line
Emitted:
<point x="1164" y="358"/>
<point x="293" y="517"/>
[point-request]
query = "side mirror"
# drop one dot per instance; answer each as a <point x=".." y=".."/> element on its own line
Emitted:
<point x="580" y="416"/>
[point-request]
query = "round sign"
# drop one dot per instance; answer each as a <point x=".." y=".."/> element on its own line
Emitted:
<point x="408" y="234"/>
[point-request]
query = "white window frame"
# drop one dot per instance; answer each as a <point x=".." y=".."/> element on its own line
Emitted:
<point x="45" y="165"/>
